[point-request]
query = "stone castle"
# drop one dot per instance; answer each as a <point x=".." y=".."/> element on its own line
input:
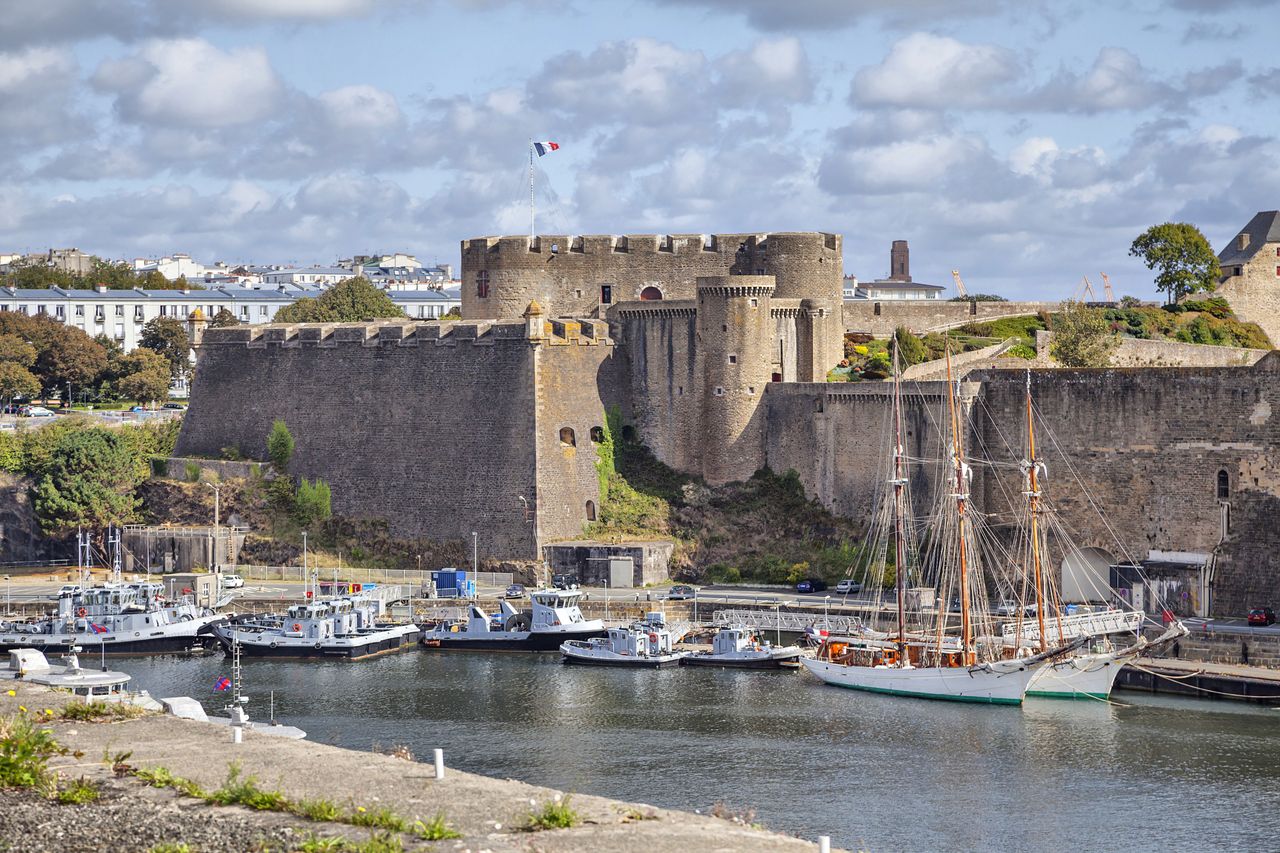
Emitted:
<point x="714" y="350"/>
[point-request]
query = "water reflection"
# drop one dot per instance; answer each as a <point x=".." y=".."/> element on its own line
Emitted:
<point x="887" y="773"/>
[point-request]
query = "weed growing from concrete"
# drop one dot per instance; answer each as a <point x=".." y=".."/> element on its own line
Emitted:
<point x="555" y="814"/>
<point x="322" y="844"/>
<point x="238" y="792"/>
<point x="434" y="829"/>
<point x="383" y="818"/>
<point x="25" y="750"/>
<point x="171" y="847"/>
<point x="321" y="810"/>
<point x="78" y="793"/>
<point x="383" y="842"/>
<point x="96" y="712"/>
<point x="162" y="777"/>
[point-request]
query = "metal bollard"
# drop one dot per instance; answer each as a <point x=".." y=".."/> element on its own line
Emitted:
<point x="824" y="844"/>
<point x="237" y="734"/>
<point x="439" y="757"/>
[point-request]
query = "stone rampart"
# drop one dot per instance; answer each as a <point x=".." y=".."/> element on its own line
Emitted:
<point x="881" y="317"/>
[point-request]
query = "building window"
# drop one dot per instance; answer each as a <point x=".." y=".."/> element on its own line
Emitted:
<point x="119" y="310"/>
<point x="60" y="312"/>
<point x="755" y="303"/>
<point x="1224" y="486"/>
<point x="567" y="438"/>
<point x="591" y="510"/>
<point x="597" y="434"/>
<point x="606" y="294"/>
<point x="733" y="359"/>
<point x="164" y="310"/>
<point x="651" y="294"/>
<point x="577" y="293"/>
<point x="137" y="312"/>
<point x="719" y="391"/>
<point x="751" y="389"/>
<point x="262" y="311"/>
<point x="79" y="310"/>
<point x="41" y="310"/>
<point x="244" y="312"/>
<point x="482" y="284"/>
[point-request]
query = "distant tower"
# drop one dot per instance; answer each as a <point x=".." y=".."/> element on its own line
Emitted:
<point x="735" y="350"/>
<point x="196" y="324"/>
<point x="899" y="261"/>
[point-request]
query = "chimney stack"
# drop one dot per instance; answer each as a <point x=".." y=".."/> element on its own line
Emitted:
<point x="899" y="261"/>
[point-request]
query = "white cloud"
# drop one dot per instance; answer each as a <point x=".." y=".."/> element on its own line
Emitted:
<point x="361" y="107"/>
<point x="191" y="83"/>
<point x="36" y="92"/>
<point x="937" y="72"/>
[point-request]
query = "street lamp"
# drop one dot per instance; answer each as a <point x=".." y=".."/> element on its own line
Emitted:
<point x="826" y="604"/>
<point x="475" y="565"/>
<point x="217" y="511"/>
<point x="304" y="562"/>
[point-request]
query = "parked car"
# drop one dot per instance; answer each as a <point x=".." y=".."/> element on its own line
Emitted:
<point x="516" y="590"/>
<point x="232" y="581"/>
<point x="563" y="581"/>
<point x="67" y="589"/>
<point x="179" y="407"/>
<point x="1262" y="616"/>
<point x="138" y="409"/>
<point x="848" y="586"/>
<point x="811" y="585"/>
<point x="681" y="591"/>
<point x="35" y="412"/>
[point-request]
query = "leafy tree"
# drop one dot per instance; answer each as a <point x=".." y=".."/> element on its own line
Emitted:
<point x="153" y="280"/>
<point x="979" y="297"/>
<point x="1082" y="336"/>
<point x="116" y="275"/>
<point x="910" y="348"/>
<point x="280" y="446"/>
<point x="1183" y="258"/>
<point x="223" y="318"/>
<point x="17" y="381"/>
<point x="350" y="300"/>
<point x="181" y="283"/>
<point x="63" y="353"/>
<point x="39" y="276"/>
<point x="143" y="375"/>
<point x="312" y="504"/>
<point x="14" y="349"/>
<point x="88" y="480"/>
<point x="168" y="336"/>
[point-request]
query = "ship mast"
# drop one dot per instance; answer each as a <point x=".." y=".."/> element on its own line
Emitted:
<point x="899" y="482"/>
<point x="962" y="499"/>
<point x="1033" y="507"/>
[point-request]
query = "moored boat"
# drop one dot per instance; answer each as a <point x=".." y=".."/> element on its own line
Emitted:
<point x="739" y="647"/>
<point x="554" y="618"/>
<point x="340" y="627"/>
<point x="647" y="645"/>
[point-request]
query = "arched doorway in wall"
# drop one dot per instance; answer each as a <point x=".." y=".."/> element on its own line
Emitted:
<point x="591" y="510"/>
<point x="1086" y="576"/>
<point x="650" y="294"/>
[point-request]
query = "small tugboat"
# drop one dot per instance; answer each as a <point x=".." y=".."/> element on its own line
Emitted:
<point x="554" y="619"/>
<point x="341" y="627"/>
<point x="741" y="648"/>
<point x="646" y="644"/>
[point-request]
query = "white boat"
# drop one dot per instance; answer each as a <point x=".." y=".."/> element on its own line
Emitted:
<point x="115" y="619"/>
<point x="647" y="644"/>
<point x="30" y="666"/>
<point x="741" y="648"/>
<point x="995" y="683"/>
<point x="341" y="627"/>
<point x="554" y="618"/>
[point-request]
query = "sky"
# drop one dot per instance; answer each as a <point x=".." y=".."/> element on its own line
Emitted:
<point x="1024" y="143"/>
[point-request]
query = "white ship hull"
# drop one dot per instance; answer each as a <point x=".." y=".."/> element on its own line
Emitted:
<point x="1005" y="683"/>
<point x="1083" y="676"/>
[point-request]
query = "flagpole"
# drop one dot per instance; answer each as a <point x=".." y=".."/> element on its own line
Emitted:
<point x="532" y="231"/>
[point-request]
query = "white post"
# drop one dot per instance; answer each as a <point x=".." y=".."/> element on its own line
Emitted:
<point x="439" y="759"/>
<point x="237" y="734"/>
<point x="824" y="844"/>
<point x="475" y="557"/>
<point x="305" y="576"/>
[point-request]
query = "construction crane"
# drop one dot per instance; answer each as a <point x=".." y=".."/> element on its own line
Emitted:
<point x="1084" y="290"/>
<point x="1106" y="280"/>
<point x="960" y="291"/>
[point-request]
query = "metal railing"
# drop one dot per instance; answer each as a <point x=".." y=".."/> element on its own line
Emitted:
<point x="782" y="620"/>
<point x="359" y="575"/>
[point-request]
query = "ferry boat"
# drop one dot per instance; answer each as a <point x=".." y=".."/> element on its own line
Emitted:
<point x="741" y="648"/>
<point x="553" y="618"/>
<point x="115" y="619"/>
<point x="646" y="644"/>
<point x="341" y="627"/>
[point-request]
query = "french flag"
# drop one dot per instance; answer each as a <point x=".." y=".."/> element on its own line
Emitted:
<point x="545" y="148"/>
<point x="222" y="683"/>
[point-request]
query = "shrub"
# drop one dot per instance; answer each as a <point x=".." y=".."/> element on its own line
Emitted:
<point x="434" y="829"/>
<point x="92" y="712"/>
<point x="383" y="818"/>
<point x="78" y="793"/>
<point x="192" y="471"/>
<point x="25" y="750"/>
<point x="554" y="814"/>
<point x="320" y="810"/>
<point x="313" y="502"/>
<point x="238" y="792"/>
<point x="280" y="446"/>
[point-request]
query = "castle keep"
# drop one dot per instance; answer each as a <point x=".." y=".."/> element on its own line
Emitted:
<point x="714" y="350"/>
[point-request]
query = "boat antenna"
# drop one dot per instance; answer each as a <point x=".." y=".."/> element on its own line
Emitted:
<point x="962" y="499"/>
<point x="115" y="554"/>
<point x="1033" y="509"/>
<point x="899" y="481"/>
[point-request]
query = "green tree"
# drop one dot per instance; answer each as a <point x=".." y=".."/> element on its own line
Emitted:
<point x="280" y="446"/>
<point x="349" y="301"/>
<point x="223" y="318"/>
<point x="88" y="480"/>
<point x="116" y="275"/>
<point x="143" y="375"/>
<point x="181" y="283"/>
<point x="1082" y="336"/>
<point x="39" y="276"/>
<point x="1184" y="260"/>
<point x="168" y="336"/>
<point x="17" y="381"/>
<point x="313" y="503"/>
<point x="911" y="350"/>
<point x="17" y="351"/>
<point x="153" y="280"/>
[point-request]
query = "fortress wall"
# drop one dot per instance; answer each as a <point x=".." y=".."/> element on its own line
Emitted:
<point x="927" y="315"/>
<point x="662" y="379"/>
<point x="431" y="426"/>
<point x="579" y="377"/>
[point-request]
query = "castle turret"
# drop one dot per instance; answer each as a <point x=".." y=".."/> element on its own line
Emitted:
<point x="735" y="343"/>
<point x="899" y="261"/>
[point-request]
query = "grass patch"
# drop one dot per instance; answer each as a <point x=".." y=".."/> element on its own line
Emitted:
<point x="79" y="792"/>
<point x="322" y="844"/>
<point x="245" y="792"/>
<point x="556" y="813"/>
<point x="96" y="712"/>
<point x="383" y="818"/>
<point x="162" y="777"/>
<point x="434" y="829"/>
<point x="25" y="750"/>
<point x="172" y="847"/>
<point x="320" y="810"/>
<point x="382" y="842"/>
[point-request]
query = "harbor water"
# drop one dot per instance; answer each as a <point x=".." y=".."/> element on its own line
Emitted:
<point x="875" y="773"/>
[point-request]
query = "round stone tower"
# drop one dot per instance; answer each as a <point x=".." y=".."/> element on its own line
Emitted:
<point x="810" y="266"/>
<point x="735" y="338"/>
